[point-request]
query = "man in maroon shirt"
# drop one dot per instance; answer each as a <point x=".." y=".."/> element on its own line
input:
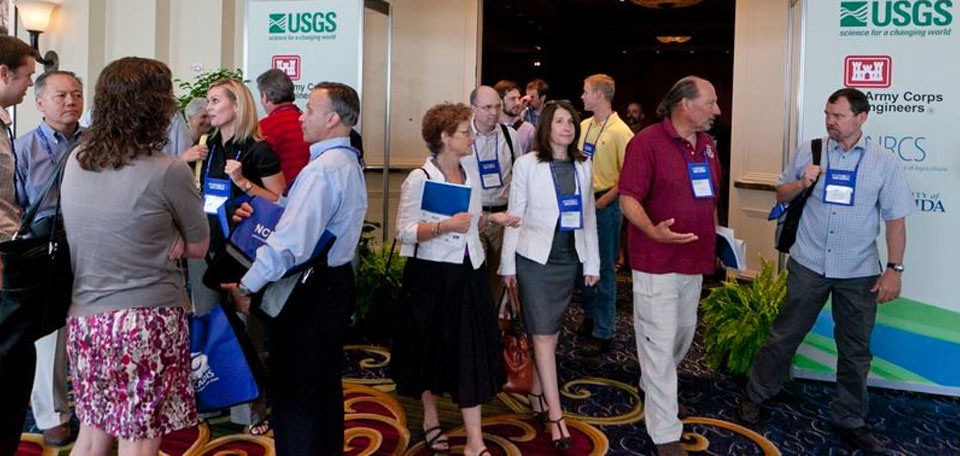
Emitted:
<point x="281" y="126"/>
<point x="668" y="187"/>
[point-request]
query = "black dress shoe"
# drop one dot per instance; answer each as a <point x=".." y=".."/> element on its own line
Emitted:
<point x="597" y="347"/>
<point x="586" y="328"/>
<point x="861" y="438"/>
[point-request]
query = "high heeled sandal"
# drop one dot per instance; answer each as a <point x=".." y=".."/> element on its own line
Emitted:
<point x="542" y="415"/>
<point x="439" y="444"/>
<point x="565" y="441"/>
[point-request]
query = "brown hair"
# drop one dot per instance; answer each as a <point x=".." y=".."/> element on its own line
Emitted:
<point x="13" y="51"/>
<point x="442" y="118"/>
<point x="544" y="150"/>
<point x="133" y="103"/>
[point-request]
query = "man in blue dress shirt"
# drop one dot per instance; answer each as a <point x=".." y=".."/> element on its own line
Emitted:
<point x="857" y="186"/>
<point x="59" y="96"/>
<point x="306" y="333"/>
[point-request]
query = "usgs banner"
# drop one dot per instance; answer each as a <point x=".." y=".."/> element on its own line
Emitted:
<point x="903" y="55"/>
<point x="311" y="40"/>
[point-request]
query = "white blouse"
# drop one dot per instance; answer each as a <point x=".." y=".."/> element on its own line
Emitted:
<point x="408" y="216"/>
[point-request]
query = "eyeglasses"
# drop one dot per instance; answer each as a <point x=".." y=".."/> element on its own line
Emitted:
<point x="555" y="102"/>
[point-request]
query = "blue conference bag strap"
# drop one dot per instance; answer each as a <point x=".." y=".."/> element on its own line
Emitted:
<point x="789" y="222"/>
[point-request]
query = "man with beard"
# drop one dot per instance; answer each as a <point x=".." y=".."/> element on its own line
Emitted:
<point x="510" y="115"/>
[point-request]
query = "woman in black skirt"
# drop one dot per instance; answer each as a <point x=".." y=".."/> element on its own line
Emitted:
<point x="552" y="190"/>
<point x="447" y="339"/>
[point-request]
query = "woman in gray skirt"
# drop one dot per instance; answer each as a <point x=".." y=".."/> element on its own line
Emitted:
<point x="552" y="192"/>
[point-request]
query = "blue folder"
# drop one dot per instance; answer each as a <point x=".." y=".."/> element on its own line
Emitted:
<point x="445" y="199"/>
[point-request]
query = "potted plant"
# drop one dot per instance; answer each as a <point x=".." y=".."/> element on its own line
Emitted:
<point x="198" y="88"/>
<point x="379" y="276"/>
<point x="738" y="316"/>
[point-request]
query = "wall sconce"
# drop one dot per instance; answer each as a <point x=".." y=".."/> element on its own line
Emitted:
<point x="35" y="15"/>
<point x="679" y="39"/>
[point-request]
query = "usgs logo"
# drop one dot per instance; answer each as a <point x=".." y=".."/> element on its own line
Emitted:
<point x="318" y="22"/>
<point x="896" y="13"/>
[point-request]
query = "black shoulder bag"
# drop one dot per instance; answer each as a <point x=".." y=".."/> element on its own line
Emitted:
<point x="37" y="275"/>
<point x="788" y="224"/>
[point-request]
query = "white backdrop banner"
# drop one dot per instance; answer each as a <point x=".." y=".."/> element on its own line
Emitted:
<point x="903" y="55"/>
<point x="311" y="40"/>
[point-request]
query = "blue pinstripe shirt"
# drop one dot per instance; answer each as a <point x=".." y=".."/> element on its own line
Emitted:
<point x="840" y="242"/>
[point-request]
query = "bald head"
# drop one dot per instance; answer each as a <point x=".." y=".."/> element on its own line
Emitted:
<point x="485" y="102"/>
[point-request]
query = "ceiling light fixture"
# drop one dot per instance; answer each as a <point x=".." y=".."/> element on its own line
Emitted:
<point x="665" y="4"/>
<point x="679" y="39"/>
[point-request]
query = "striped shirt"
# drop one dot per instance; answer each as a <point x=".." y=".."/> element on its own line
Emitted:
<point x="840" y="242"/>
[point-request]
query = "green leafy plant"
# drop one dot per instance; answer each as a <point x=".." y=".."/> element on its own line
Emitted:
<point x="738" y="317"/>
<point x="378" y="293"/>
<point x="198" y="88"/>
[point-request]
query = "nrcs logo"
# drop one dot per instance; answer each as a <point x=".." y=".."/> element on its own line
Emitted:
<point x="897" y="13"/>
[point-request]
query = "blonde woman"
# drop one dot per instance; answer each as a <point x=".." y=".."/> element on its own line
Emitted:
<point x="238" y="161"/>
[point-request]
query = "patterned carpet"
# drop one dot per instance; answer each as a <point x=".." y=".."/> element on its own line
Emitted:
<point x="605" y="413"/>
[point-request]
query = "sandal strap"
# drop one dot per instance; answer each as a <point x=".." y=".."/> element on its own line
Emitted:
<point x="439" y="438"/>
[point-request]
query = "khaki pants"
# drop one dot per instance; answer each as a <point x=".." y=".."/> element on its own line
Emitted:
<point x="665" y="320"/>
<point x="491" y="237"/>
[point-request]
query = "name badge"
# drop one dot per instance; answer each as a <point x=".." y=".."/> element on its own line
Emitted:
<point x="589" y="148"/>
<point x="571" y="214"/>
<point x="490" y="174"/>
<point x="840" y="187"/>
<point x="700" y="179"/>
<point x="216" y="192"/>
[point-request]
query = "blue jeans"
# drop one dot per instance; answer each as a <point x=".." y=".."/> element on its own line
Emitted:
<point x="600" y="301"/>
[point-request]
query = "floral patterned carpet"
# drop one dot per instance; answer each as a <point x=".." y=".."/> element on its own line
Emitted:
<point x="605" y="413"/>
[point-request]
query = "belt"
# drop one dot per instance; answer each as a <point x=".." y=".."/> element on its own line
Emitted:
<point x="598" y="195"/>
<point x="495" y="208"/>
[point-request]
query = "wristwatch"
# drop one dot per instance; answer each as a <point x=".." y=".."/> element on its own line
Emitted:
<point x="247" y="186"/>
<point x="898" y="267"/>
<point x="242" y="290"/>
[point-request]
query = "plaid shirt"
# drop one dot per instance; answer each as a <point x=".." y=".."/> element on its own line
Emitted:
<point x="840" y="242"/>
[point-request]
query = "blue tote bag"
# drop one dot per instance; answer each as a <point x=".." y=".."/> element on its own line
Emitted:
<point x="221" y="374"/>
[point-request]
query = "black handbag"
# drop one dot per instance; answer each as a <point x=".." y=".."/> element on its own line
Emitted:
<point x="37" y="274"/>
<point x="789" y="222"/>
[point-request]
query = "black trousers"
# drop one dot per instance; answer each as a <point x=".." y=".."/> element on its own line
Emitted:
<point x="854" y="313"/>
<point x="305" y="364"/>
<point x="18" y="359"/>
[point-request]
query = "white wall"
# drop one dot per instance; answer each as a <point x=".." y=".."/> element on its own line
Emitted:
<point x="759" y="119"/>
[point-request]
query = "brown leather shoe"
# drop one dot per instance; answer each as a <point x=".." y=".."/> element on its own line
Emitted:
<point x="671" y="449"/>
<point x="59" y="436"/>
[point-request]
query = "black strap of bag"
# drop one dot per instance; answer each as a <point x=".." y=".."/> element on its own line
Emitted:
<point x="791" y="219"/>
<point x="416" y="247"/>
<point x="506" y="136"/>
<point x="26" y="222"/>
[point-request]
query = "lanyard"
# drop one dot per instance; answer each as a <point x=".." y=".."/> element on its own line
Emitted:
<point x="556" y="182"/>
<point x="46" y="144"/>
<point x="586" y="136"/>
<point x="856" y="169"/>
<point x="496" y="148"/>
<point x="206" y="175"/>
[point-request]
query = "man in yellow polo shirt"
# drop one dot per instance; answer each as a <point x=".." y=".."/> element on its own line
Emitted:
<point x="604" y="137"/>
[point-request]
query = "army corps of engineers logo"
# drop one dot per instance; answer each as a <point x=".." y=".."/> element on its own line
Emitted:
<point x="854" y="14"/>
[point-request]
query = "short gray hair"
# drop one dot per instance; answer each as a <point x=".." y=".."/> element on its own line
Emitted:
<point x="343" y="100"/>
<point x="40" y="83"/>
<point x="684" y="89"/>
<point x="276" y="85"/>
<point x="195" y="107"/>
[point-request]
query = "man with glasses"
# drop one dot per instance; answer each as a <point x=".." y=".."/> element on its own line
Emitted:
<point x="495" y="149"/>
